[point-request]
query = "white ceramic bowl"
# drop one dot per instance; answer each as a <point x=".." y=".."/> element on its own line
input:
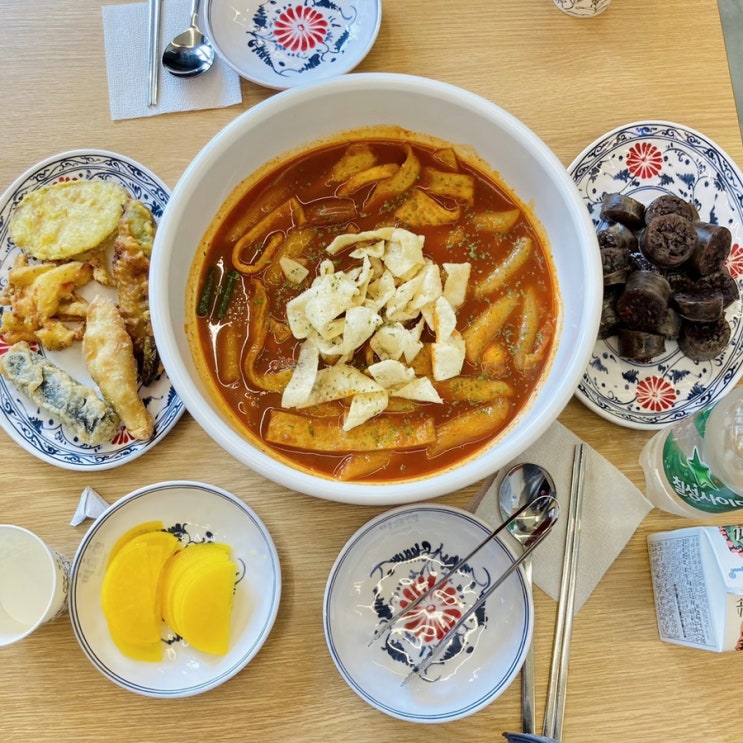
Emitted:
<point x="370" y="579"/>
<point x="304" y="115"/>
<point x="194" y="512"/>
<point x="282" y="45"/>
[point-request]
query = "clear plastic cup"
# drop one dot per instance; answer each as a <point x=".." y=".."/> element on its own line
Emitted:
<point x="582" y="8"/>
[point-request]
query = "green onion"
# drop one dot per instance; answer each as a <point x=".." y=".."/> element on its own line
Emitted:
<point x="207" y="293"/>
<point x="225" y="294"/>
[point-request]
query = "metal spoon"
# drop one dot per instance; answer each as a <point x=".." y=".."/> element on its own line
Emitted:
<point x="521" y="485"/>
<point x="190" y="53"/>
<point x="535" y="520"/>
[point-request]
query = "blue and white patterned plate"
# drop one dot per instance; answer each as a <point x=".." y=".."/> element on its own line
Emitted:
<point x="284" y="43"/>
<point x="195" y="512"/>
<point x="32" y="428"/>
<point x="387" y="564"/>
<point x="644" y="160"/>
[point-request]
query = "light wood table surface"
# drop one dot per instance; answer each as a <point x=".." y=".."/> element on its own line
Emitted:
<point x="568" y="79"/>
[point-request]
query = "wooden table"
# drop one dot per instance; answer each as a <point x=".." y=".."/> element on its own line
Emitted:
<point x="568" y="79"/>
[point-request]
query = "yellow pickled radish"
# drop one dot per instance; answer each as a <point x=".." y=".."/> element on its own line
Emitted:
<point x="178" y="566"/>
<point x="150" y="578"/>
<point x="127" y="596"/>
<point x="203" y="605"/>
<point x="152" y="652"/>
<point x="135" y="531"/>
<point x="130" y="594"/>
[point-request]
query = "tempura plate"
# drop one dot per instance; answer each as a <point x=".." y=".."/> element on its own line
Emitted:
<point x="29" y="426"/>
<point x="644" y="160"/>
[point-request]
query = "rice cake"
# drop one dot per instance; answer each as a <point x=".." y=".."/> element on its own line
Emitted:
<point x="62" y="220"/>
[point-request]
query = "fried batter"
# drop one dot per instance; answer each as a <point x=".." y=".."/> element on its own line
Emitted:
<point x="109" y="356"/>
<point x="43" y="302"/>
<point x="64" y="219"/>
<point x="92" y="420"/>
<point x="130" y="268"/>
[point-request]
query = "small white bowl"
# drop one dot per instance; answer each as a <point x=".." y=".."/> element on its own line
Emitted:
<point x="308" y="114"/>
<point x="196" y="512"/>
<point x="284" y="44"/>
<point x="378" y="566"/>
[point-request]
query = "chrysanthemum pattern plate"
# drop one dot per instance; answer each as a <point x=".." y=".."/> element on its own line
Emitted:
<point x="284" y="43"/>
<point x="385" y="566"/>
<point x="644" y="160"/>
<point x="29" y="426"/>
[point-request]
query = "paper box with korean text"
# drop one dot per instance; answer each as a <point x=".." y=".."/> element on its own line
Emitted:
<point x="697" y="576"/>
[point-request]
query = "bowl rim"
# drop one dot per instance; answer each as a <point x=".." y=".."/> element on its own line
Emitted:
<point x="477" y="467"/>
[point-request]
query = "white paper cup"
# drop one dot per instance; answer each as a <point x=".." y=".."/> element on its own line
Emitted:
<point x="582" y="8"/>
<point x="34" y="579"/>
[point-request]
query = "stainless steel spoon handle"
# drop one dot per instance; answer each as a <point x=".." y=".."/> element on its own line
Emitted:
<point x="195" y="12"/>
<point x="528" y="693"/>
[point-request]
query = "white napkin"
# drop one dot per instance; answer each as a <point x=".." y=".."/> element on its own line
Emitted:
<point x="90" y="506"/>
<point x="612" y="510"/>
<point x="125" y="40"/>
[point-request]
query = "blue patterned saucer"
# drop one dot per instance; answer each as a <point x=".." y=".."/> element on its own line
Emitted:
<point x="284" y="43"/>
<point x="644" y="160"/>
<point x="31" y="427"/>
<point x="194" y="512"/>
<point x="387" y="564"/>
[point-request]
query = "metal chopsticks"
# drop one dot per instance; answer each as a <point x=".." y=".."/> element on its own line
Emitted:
<point x="387" y="624"/>
<point x="153" y="51"/>
<point x="555" y="709"/>
<point x="549" y="504"/>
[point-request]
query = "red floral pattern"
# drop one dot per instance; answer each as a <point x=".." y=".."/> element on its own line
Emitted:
<point x="300" y="29"/>
<point x="436" y="614"/>
<point x="33" y="345"/>
<point x="122" y="437"/>
<point x="644" y="160"/>
<point x="734" y="261"/>
<point x="656" y="394"/>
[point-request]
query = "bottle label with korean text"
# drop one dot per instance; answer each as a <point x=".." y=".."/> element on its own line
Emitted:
<point x="689" y="474"/>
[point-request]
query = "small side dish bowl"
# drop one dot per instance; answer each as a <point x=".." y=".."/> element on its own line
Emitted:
<point x="284" y="44"/>
<point x="194" y="512"/>
<point x="304" y="116"/>
<point x="388" y="562"/>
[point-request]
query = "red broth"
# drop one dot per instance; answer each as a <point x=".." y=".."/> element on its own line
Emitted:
<point x="246" y="353"/>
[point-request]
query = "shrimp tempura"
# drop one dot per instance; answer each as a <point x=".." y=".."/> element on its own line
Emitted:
<point x="109" y="356"/>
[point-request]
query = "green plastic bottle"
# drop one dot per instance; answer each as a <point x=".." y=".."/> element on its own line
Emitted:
<point x="695" y="467"/>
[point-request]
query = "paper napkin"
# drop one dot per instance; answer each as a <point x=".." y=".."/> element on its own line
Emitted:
<point x="612" y="510"/>
<point x="90" y="506"/>
<point x="125" y="40"/>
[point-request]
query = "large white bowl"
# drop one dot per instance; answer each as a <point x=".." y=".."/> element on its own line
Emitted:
<point x="306" y="114"/>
